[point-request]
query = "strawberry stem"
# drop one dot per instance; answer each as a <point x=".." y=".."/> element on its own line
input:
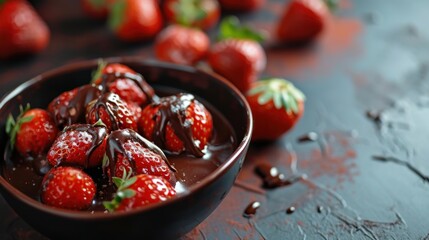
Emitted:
<point x="12" y="126"/>
<point x="332" y="4"/>
<point x="123" y="191"/>
<point x="97" y="73"/>
<point x="188" y="12"/>
<point x="117" y="14"/>
<point x="231" y="28"/>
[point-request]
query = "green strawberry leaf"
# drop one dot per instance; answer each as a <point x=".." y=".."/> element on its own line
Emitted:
<point x="282" y="92"/>
<point x="128" y="193"/>
<point x="188" y="12"/>
<point x="117" y="14"/>
<point x="332" y="4"/>
<point x="117" y="181"/>
<point x="230" y="28"/>
<point x="13" y="126"/>
<point x="97" y="73"/>
<point x="123" y="191"/>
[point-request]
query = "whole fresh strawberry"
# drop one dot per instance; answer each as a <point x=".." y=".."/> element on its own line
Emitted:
<point x="112" y="111"/>
<point x="276" y="107"/>
<point x="125" y="82"/>
<point x="70" y="107"/>
<point x="97" y="9"/>
<point x="135" y="20"/>
<point x="81" y="145"/>
<point x="128" y="151"/>
<point x="202" y="14"/>
<point x="139" y="191"/>
<point x="32" y="133"/>
<point x="182" y="45"/>
<point x="22" y="31"/>
<point x="302" y="21"/>
<point x="68" y="188"/>
<point x="177" y="123"/>
<point x="238" y="56"/>
<point x="241" y="5"/>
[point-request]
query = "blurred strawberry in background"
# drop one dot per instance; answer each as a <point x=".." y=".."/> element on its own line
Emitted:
<point x="241" y="5"/>
<point x="97" y="9"/>
<point x="22" y="31"/>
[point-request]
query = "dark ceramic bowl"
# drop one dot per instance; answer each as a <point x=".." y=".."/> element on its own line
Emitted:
<point x="166" y="220"/>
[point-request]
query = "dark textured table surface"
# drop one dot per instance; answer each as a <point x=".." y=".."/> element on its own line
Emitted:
<point x="365" y="177"/>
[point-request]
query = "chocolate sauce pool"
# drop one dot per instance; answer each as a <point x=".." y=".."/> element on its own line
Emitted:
<point x="27" y="174"/>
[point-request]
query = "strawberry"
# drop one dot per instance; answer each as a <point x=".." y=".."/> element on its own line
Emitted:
<point x="69" y="188"/>
<point x="22" y="31"/>
<point x="139" y="191"/>
<point x="97" y="9"/>
<point x="177" y="123"/>
<point x="276" y="107"/>
<point x="112" y="111"/>
<point x="120" y="79"/>
<point x="302" y="21"/>
<point x="238" y="56"/>
<point x="70" y="107"/>
<point x="202" y="14"/>
<point x="130" y="152"/>
<point x="32" y="133"/>
<point x="241" y="5"/>
<point x="135" y="20"/>
<point x="182" y="45"/>
<point x="80" y="145"/>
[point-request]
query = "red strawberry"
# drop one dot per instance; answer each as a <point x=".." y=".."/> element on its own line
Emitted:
<point x="97" y="9"/>
<point x="112" y="111"/>
<point x="69" y="188"/>
<point x="202" y="14"/>
<point x="32" y="133"/>
<point x="135" y="20"/>
<point x="238" y="56"/>
<point x="178" y="123"/>
<point x="128" y="151"/>
<point x="276" y="107"/>
<point x="80" y="145"/>
<point x="182" y="45"/>
<point x="139" y="191"/>
<point x="120" y="79"/>
<point x="241" y="5"/>
<point x="22" y="31"/>
<point x="302" y="21"/>
<point x="70" y="107"/>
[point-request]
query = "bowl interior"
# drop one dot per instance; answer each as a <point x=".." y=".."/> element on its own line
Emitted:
<point x="220" y="95"/>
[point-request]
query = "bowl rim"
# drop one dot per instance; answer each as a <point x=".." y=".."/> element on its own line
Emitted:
<point x="85" y="215"/>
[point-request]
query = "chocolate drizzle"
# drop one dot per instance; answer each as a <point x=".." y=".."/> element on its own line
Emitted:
<point x="98" y="133"/>
<point x="136" y="78"/>
<point x="172" y="110"/>
<point x="251" y="209"/>
<point x="115" y="145"/>
<point x="273" y="178"/>
<point x="74" y="112"/>
<point x="111" y="103"/>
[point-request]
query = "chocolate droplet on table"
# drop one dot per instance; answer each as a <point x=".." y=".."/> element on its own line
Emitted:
<point x="319" y="209"/>
<point x="309" y="137"/>
<point x="272" y="176"/>
<point x="374" y="115"/>
<point x="290" y="210"/>
<point x="251" y="209"/>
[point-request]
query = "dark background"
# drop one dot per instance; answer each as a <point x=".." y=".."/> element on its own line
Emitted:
<point x="374" y="55"/>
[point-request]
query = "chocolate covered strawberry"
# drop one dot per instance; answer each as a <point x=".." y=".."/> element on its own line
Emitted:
<point x="128" y="151"/>
<point x="112" y="111"/>
<point x="32" y="133"/>
<point x="276" y="106"/>
<point x="68" y="188"/>
<point x="202" y="14"/>
<point x="177" y="123"/>
<point x="70" y="107"/>
<point x="302" y="21"/>
<point x="182" y="45"/>
<point x="139" y="191"/>
<point x="135" y="20"/>
<point x="22" y="31"/>
<point x="80" y="145"/>
<point x="238" y="56"/>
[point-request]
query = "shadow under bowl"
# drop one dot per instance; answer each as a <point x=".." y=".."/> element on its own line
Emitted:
<point x="166" y="220"/>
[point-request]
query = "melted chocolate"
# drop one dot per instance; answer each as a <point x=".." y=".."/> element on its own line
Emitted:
<point x="290" y="210"/>
<point x="273" y="178"/>
<point x="309" y="137"/>
<point x="172" y="110"/>
<point x="98" y="134"/>
<point x="251" y="209"/>
<point x="75" y="111"/>
<point x="320" y="209"/>
<point x="136" y="78"/>
<point x="110" y="103"/>
<point x="115" y="145"/>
